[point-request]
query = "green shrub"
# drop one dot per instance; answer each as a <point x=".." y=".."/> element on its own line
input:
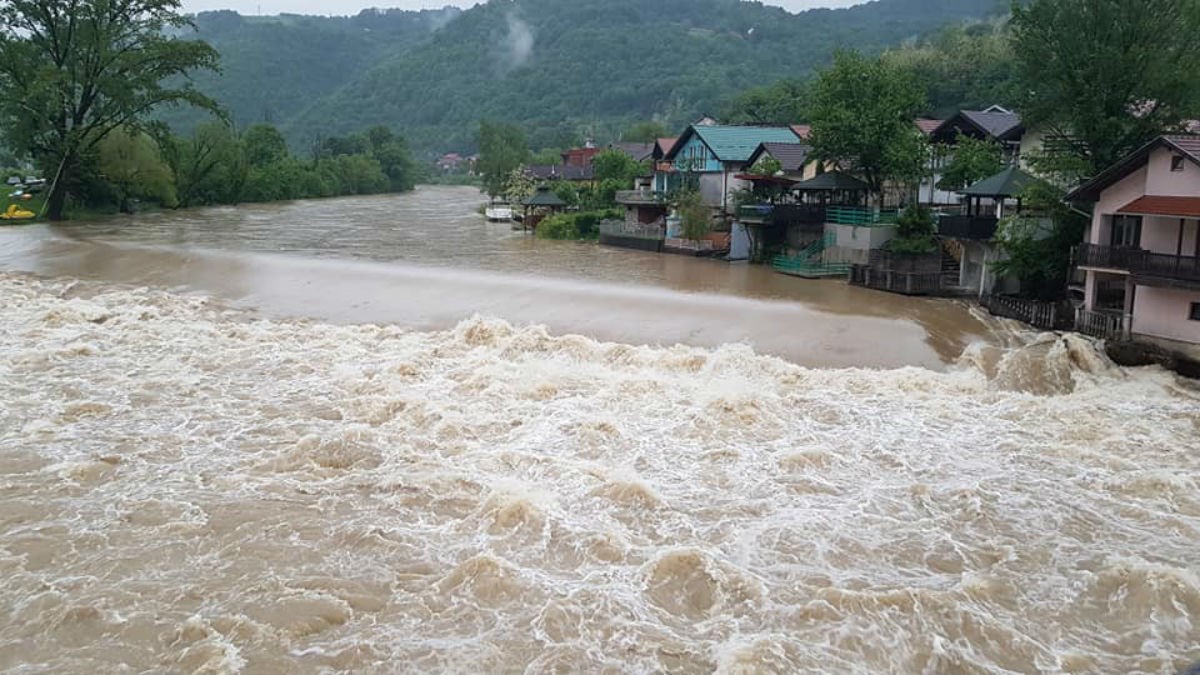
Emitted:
<point x="584" y="225"/>
<point x="915" y="230"/>
<point x="557" y="226"/>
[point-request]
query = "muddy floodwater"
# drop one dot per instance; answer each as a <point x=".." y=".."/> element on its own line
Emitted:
<point x="428" y="259"/>
<point x="382" y="436"/>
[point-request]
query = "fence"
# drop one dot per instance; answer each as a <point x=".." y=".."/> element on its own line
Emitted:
<point x="1104" y="325"/>
<point x="906" y="283"/>
<point x="857" y="215"/>
<point x="621" y="228"/>
<point x="1044" y="315"/>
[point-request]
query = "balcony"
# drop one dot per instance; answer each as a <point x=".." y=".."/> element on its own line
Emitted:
<point x="1104" y="257"/>
<point x="1149" y="268"/>
<point x="641" y="198"/>
<point x="981" y="228"/>
<point x="805" y="216"/>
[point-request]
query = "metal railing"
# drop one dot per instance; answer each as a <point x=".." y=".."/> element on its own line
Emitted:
<point x="860" y="216"/>
<point x="1104" y="325"/>
<point x="968" y="227"/>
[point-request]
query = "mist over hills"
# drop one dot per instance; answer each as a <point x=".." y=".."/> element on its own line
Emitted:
<point x="559" y="69"/>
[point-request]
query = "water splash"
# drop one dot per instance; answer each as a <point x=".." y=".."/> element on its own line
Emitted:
<point x="185" y="489"/>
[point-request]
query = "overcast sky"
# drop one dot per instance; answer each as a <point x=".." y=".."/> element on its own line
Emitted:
<point x="354" y="6"/>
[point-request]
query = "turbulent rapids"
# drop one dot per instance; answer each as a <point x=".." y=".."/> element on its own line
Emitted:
<point x="185" y="488"/>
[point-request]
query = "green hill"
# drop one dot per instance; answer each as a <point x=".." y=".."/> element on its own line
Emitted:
<point x="560" y="69"/>
<point x="273" y="68"/>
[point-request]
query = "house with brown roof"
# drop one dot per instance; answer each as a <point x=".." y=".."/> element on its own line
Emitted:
<point x="994" y="123"/>
<point x="1141" y="255"/>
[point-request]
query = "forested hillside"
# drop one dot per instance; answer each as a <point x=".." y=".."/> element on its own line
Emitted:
<point x="272" y="68"/>
<point x="559" y="69"/>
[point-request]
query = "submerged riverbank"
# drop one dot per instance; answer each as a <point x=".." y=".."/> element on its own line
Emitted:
<point x="191" y="490"/>
<point x="427" y="261"/>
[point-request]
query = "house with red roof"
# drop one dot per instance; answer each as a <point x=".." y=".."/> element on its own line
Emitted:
<point x="1141" y="255"/>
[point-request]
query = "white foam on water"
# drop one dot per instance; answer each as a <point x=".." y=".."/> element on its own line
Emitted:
<point x="183" y="489"/>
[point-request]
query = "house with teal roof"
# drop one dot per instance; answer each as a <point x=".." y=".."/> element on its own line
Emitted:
<point x="711" y="156"/>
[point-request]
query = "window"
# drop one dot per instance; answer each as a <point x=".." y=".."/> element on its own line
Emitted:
<point x="1177" y="162"/>
<point x="1194" y="312"/>
<point x="1126" y="231"/>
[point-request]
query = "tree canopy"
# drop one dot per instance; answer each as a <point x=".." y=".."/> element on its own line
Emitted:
<point x="502" y="149"/>
<point x="74" y="72"/>
<point x="861" y="110"/>
<point x="1104" y="76"/>
<point x="971" y="160"/>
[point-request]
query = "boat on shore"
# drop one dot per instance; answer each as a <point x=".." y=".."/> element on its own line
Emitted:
<point x="498" y="213"/>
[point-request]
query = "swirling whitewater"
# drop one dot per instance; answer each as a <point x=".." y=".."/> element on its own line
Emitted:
<point x="186" y="489"/>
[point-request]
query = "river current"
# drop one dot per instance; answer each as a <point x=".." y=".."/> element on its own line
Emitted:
<point x="200" y="473"/>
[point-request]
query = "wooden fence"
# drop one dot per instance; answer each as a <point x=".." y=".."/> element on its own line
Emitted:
<point x="907" y="283"/>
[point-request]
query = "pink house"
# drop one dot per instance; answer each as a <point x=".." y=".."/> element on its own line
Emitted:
<point x="1142" y="251"/>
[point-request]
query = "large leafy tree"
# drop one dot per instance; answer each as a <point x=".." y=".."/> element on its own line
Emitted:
<point x="862" y="110"/>
<point x="780" y="103"/>
<point x="971" y="160"/>
<point x="208" y="167"/>
<point x="502" y="148"/>
<point x="1105" y="76"/>
<point x="73" y="71"/>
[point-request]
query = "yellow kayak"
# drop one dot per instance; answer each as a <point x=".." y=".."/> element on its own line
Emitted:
<point x="15" y="212"/>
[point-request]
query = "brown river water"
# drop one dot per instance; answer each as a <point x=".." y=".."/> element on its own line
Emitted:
<point x="379" y="435"/>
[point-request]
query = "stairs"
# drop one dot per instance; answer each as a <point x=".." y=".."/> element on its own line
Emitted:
<point x="951" y="266"/>
<point x="807" y="263"/>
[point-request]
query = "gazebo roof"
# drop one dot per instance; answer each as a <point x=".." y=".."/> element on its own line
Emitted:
<point x="544" y="197"/>
<point x="1008" y="183"/>
<point x="830" y="181"/>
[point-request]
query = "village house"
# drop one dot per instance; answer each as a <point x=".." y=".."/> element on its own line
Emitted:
<point x="995" y="123"/>
<point x="712" y="155"/>
<point x="1141" y="254"/>
<point x="969" y="235"/>
<point x="794" y="159"/>
<point x="666" y="179"/>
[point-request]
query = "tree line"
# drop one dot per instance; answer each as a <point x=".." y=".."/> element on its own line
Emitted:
<point x="80" y="83"/>
<point x="216" y="165"/>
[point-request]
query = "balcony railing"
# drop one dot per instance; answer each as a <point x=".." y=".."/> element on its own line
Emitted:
<point x="859" y="216"/>
<point x="648" y="197"/>
<point x="1107" y="257"/>
<point x="968" y="227"/>
<point x="1139" y="262"/>
<point x="786" y="215"/>
<point x="1165" y="266"/>
<point x="1103" y="325"/>
<point x="621" y="228"/>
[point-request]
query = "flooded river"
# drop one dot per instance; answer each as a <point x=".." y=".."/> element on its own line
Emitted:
<point x="428" y="260"/>
<point x="224" y="449"/>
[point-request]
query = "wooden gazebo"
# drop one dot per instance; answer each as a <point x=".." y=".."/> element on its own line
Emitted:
<point x="1006" y="185"/>
<point x="542" y="203"/>
<point x="833" y="188"/>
